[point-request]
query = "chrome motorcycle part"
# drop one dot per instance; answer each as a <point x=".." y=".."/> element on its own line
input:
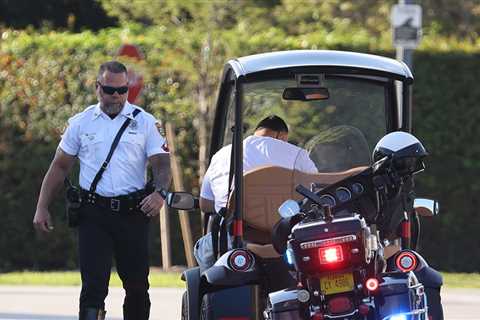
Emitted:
<point x="426" y="207"/>
<point x="303" y="296"/>
<point x="328" y="242"/>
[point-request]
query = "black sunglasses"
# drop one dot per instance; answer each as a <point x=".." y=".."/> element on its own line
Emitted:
<point x="111" y="90"/>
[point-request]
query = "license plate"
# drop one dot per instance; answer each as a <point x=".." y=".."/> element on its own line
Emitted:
<point x="336" y="283"/>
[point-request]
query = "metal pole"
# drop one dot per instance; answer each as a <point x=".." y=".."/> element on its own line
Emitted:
<point x="238" y="167"/>
<point x="405" y="55"/>
<point x="405" y="99"/>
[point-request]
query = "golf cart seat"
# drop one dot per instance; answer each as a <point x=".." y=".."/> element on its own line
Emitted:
<point x="265" y="189"/>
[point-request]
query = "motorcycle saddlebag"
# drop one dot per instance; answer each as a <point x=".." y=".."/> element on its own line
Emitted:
<point x="232" y="303"/>
<point x="284" y="305"/>
<point x="400" y="293"/>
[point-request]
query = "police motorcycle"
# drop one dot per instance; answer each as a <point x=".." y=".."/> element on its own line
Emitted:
<point x="335" y="240"/>
<point x="346" y="251"/>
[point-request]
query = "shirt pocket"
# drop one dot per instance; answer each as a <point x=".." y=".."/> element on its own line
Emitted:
<point x="92" y="147"/>
<point x="133" y="145"/>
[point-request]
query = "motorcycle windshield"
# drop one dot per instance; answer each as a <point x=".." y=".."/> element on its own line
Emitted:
<point x="337" y="133"/>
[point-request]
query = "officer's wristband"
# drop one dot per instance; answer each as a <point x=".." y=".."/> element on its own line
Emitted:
<point x="162" y="192"/>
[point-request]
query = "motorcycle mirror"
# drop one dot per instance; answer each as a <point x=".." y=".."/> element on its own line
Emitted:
<point x="289" y="208"/>
<point x="181" y="200"/>
<point x="426" y="207"/>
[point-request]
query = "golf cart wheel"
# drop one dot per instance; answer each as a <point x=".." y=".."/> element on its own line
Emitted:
<point x="185" y="313"/>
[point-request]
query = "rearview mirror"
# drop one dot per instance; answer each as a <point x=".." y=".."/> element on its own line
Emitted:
<point x="305" y="94"/>
<point x="181" y="201"/>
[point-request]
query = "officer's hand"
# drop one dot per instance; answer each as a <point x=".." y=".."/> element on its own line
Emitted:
<point x="151" y="204"/>
<point x="42" y="221"/>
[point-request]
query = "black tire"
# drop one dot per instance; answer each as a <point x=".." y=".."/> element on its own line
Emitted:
<point x="185" y="311"/>
<point x="435" y="309"/>
<point x="205" y="313"/>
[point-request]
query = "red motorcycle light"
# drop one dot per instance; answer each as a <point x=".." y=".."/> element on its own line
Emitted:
<point x="240" y="260"/>
<point x="363" y="309"/>
<point x="340" y="305"/>
<point x="318" y="316"/>
<point x="330" y="254"/>
<point x="406" y="261"/>
<point x="371" y="284"/>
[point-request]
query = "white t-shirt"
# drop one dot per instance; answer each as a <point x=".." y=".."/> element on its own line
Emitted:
<point x="90" y="135"/>
<point x="257" y="151"/>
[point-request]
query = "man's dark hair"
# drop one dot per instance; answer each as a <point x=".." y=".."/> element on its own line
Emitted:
<point x="111" y="66"/>
<point x="274" y="123"/>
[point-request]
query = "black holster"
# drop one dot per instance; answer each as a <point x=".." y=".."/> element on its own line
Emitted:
<point x="73" y="199"/>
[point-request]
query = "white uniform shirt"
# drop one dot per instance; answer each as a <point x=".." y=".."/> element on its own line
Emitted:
<point x="257" y="151"/>
<point x="90" y="135"/>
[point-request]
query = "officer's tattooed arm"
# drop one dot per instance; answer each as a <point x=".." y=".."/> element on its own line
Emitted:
<point x="152" y="203"/>
<point x="161" y="170"/>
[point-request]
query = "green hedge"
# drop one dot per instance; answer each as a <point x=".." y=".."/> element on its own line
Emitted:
<point x="45" y="78"/>
<point x="446" y="117"/>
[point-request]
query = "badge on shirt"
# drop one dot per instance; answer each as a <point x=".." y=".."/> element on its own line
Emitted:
<point x="133" y="124"/>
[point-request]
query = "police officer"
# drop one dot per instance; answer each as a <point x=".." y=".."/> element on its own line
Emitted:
<point x="114" y="218"/>
<point x="267" y="146"/>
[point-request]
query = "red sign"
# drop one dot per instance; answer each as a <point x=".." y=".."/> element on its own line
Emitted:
<point x="135" y="80"/>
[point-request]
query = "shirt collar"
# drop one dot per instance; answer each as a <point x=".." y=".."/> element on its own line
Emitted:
<point x="126" y="111"/>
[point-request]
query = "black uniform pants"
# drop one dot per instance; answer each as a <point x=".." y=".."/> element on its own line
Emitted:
<point x="104" y="234"/>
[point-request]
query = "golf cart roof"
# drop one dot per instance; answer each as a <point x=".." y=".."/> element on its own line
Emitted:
<point x="339" y="61"/>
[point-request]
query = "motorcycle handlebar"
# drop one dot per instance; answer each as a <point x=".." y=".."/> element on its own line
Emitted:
<point x="308" y="194"/>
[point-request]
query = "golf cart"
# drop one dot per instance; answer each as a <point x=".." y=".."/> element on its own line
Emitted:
<point x="338" y="106"/>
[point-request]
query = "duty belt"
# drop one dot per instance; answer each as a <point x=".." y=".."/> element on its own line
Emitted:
<point x="124" y="203"/>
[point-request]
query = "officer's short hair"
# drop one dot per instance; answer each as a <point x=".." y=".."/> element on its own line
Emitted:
<point x="111" y="66"/>
<point x="274" y="123"/>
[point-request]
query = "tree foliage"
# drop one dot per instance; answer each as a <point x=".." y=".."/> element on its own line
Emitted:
<point x="60" y="14"/>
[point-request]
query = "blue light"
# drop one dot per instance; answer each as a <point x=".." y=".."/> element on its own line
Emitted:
<point x="290" y="257"/>
<point x="398" y="317"/>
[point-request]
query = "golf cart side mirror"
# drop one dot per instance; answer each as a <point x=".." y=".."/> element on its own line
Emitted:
<point x="426" y="207"/>
<point x="182" y="201"/>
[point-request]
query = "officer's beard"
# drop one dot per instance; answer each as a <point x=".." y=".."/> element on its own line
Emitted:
<point x="112" y="108"/>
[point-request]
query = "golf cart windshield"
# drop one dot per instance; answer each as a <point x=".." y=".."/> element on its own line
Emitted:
<point x="338" y="128"/>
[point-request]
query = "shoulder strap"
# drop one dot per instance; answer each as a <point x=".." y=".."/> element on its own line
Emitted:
<point x="99" y="174"/>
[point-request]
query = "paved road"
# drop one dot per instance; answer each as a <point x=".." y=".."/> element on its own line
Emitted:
<point x="60" y="303"/>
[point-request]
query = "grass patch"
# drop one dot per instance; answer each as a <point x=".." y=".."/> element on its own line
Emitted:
<point x="72" y="278"/>
<point x="461" y="280"/>
<point x="172" y="279"/>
